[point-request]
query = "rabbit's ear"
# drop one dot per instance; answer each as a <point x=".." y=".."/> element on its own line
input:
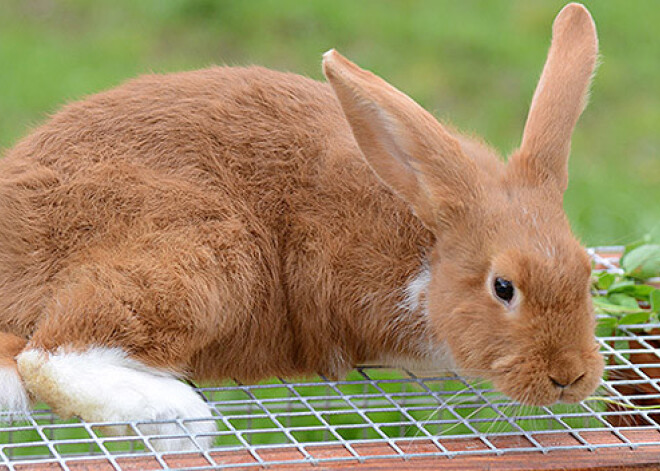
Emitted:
<point x="405" y="146"/>
<point x="560" y="96"/>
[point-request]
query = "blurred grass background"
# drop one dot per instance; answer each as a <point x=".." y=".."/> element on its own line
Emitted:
<point x="474" y="63"/>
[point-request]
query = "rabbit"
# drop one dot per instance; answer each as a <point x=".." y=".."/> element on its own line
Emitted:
<point x="245" y="223"/>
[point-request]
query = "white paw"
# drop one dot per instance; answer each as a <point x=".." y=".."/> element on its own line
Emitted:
<point x="105" y="385"/>
<point x="13" y="397"/>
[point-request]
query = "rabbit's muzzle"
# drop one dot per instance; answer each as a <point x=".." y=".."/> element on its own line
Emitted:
<point x="539" y="379"/>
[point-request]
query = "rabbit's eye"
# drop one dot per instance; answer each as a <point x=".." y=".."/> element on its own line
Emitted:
<point x="503" y="289"/>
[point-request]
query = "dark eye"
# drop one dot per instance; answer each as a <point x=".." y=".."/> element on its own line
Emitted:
<point x="503" y="289"/>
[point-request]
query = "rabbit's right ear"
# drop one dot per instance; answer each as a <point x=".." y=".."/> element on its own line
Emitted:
<point x="560" y="97"/>
<point x="405" y="146"/>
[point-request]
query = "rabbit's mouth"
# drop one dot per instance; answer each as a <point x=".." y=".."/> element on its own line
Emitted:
<point x="533" y="382"/>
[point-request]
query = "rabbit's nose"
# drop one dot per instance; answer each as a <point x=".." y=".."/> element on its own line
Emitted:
<point x="564" y="383"/>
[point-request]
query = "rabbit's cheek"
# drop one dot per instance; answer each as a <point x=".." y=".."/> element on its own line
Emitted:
<point x="476" y="337"/>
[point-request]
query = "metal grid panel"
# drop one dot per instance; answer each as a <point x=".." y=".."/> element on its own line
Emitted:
<point x="376" y="413"/>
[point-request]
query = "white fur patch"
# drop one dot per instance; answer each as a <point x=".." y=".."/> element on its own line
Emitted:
<point x="415" y="289"/>
<point x="431" y="357"/>
<point x="13" y="397"/>
<point x="105" y="385"/>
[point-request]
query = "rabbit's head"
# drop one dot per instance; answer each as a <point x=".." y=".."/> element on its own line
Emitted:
<point x="509" y="286"/>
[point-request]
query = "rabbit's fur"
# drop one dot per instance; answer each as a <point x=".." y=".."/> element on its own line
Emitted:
<point x="243" y="223"/>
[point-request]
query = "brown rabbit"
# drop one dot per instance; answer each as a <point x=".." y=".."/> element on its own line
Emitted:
<point x="244" y="223"/>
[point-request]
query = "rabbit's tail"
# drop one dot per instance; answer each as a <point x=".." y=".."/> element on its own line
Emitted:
<point x="13" y="396"/>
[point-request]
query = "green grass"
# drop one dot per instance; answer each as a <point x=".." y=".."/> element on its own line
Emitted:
<point x="472" y="62"/>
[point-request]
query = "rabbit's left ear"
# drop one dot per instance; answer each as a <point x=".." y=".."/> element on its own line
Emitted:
<point x="560" y="97"/>
<point x="404" y="145"/>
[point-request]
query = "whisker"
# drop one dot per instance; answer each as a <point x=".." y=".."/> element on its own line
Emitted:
<point x="445" y="402"/>
<point x="466" y="419"/>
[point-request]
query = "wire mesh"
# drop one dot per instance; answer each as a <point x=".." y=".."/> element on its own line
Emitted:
<point x="375" y="413"/>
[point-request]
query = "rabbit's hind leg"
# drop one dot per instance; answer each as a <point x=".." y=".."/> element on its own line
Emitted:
<point x="115" y="338"/>
<point x="13" y="396"/>
<point x="105" y="385"/>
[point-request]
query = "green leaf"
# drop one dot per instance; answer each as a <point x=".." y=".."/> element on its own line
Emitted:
<point x="600" y="301"/>
<point x="654" y="301"/>
<point x="623" y="300"/>
<point x="608" y="321"/>
<point x="605" y="330"/>
<point x="636" y="318"/>
<point x="620" y="286"/>
<point x="605" y="280"/>
<point x="641" y="291"/>
<point x="606" y="326"/>
<point x="638" y="291"/>
<point x="653" y="319"/>
<point x="642" y="262"/>
<point x="633" y="245"/>
<point x="621" y="345"/>
<point x="603" y="305"/>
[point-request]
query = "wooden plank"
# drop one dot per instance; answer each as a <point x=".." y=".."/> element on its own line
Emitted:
<point x="618" y="458"/>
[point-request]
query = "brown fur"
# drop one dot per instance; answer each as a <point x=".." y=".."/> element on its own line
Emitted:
<point x="10" y="346"/>
<point x="223" y="223"/>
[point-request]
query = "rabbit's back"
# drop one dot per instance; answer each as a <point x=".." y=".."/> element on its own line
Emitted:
<point x="225" y="127"/>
